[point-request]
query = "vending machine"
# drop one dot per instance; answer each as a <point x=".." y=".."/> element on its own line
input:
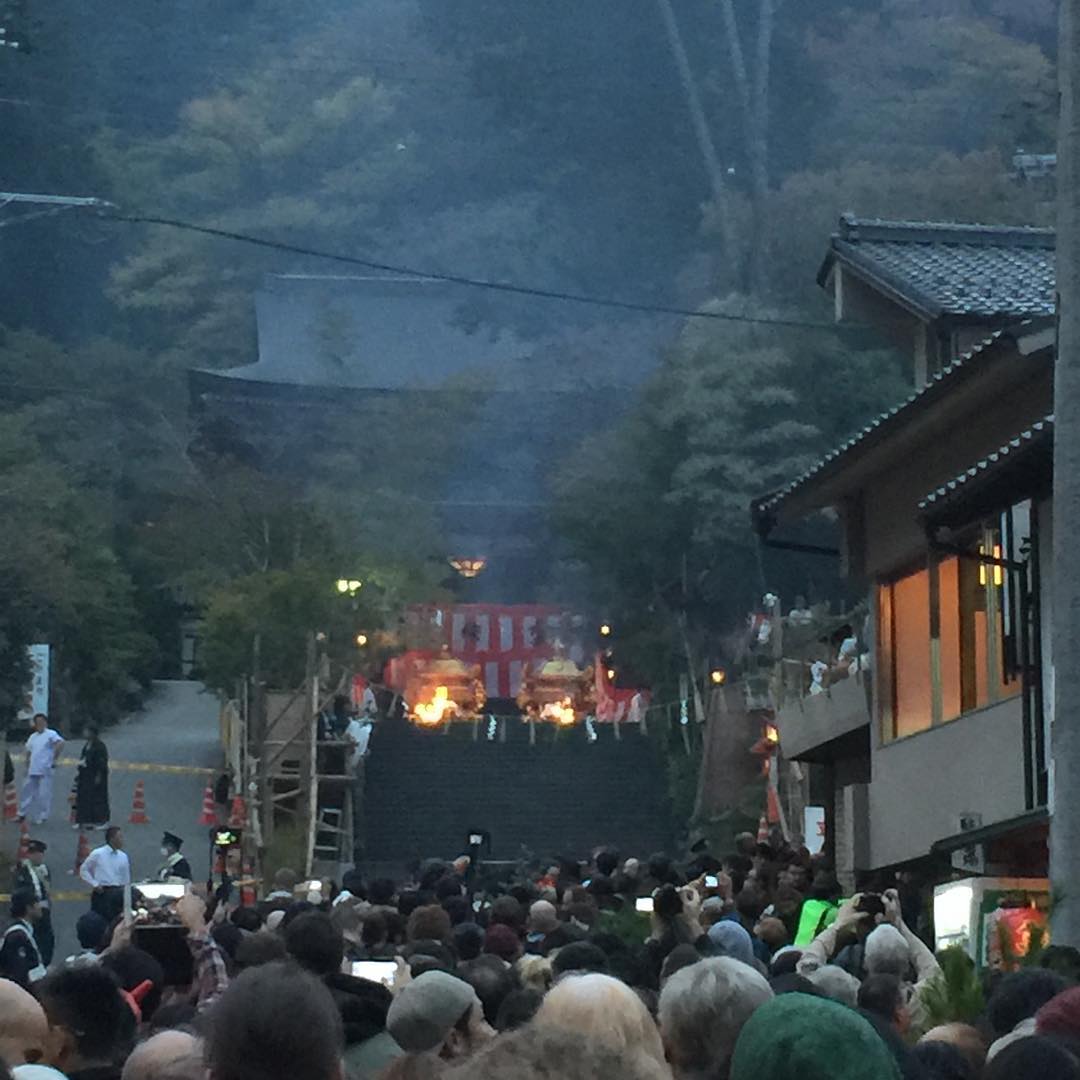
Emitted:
<point x="994" y="920"/>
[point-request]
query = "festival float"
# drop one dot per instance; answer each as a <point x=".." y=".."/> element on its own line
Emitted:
<point x="557" y="690"/>
<point x="442" y="688"/>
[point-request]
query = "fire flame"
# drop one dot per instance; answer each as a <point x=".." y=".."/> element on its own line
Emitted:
<point x="435" y="712"/>
<point x="562" y="712"/>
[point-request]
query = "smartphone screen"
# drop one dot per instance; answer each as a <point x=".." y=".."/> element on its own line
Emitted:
<point x="380" y="971"/>
<point x="644" y="904"/>
<point x="161" y="890"/>
<point x="711" y="881"/>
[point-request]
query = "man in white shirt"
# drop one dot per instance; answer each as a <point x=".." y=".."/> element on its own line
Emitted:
<point x="107" y="870"/>
<point x="42" y="749"/>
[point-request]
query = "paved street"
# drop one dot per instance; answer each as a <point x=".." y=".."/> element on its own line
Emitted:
<point x="177" y="728"/>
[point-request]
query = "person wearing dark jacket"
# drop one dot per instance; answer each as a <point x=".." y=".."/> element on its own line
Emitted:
<point x="92" y="783"/>
<point x="32" y="875"/>
<point x="20" y="960"/>
<point x="175" y="865"/>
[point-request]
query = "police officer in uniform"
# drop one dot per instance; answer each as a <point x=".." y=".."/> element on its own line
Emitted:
<point x="33" y="875"/>
<point x="175" y="865"/>
<point x="20" y="960"/>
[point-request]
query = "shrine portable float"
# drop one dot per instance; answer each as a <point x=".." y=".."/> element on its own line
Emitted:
<point x="469" y="659"/>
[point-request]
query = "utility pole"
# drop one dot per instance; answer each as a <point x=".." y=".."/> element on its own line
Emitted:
<point x="1065" y="798"/>
<point x="701" y="129"/>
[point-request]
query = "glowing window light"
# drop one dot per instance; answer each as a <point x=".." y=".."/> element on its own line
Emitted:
<point x="999" y="571"/>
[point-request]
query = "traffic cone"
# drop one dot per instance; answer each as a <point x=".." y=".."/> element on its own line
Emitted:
<point x="138" y="806"/>
<point x="24" y="840"/>
<point x="209" y="814"/>
<point x="81" y="852"/>
<point x="763" y="830"/>
<point x="11" y="802"/>
<point x="238" y="817"/>
<point x="247" y="889"/>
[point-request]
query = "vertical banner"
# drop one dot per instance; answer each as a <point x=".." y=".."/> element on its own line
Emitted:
<point x="814" y="829"/>
<point x="37" y="692"/>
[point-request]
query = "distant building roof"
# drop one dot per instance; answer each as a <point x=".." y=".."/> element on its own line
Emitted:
<point x="330" y="333"/>
<point x="969" y="271"/>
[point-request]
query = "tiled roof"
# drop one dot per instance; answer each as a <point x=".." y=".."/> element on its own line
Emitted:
<point x="1039" y="436"/>
<point x="879" y="425"/>
<point x="985" y="271"/>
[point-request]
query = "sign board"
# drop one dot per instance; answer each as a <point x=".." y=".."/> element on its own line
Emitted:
<point x="970" y="859"/>
<point x="37" y="692"/>
<point x="814" y="829"/>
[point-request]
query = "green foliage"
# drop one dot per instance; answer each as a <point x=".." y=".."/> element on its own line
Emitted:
<point x="954" y="996"/>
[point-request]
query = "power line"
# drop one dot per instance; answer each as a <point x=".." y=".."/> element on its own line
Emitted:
<point x="464" y="280"/>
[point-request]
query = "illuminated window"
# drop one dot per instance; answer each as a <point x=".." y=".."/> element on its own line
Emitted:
<point x="951" y="646"/>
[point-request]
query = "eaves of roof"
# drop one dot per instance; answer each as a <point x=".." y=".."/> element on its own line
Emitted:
<point x="764" y="509"/>
<point x="1035" y="442"/>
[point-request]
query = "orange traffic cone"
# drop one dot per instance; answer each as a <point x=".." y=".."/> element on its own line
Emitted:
<point x="11" y="802"/>
<point x="24" y="840"/>
<point x="238" y="817"/>
<point x="138" y="806"/>
<point x="247" y="889"/>
<point x="763" y="830"/>
<point x="209" y="813"/>
<point x="81" y="852"/>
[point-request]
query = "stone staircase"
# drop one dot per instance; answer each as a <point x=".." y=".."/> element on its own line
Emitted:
<point x="562" y="796"/>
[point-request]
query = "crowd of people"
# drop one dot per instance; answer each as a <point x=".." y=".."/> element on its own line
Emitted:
<point x="747" y="967"/>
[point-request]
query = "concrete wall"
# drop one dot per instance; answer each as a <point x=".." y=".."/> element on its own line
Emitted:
<point x="808" y="722"/>
<point x="922" y="784"/>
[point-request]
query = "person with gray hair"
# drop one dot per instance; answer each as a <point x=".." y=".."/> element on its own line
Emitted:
<point x="834" y="982"/>
<point x="702" y="1010"/>
<point x="168" y="1055"/>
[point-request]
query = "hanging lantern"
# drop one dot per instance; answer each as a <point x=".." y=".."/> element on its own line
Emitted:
<point x="466" y="567"/>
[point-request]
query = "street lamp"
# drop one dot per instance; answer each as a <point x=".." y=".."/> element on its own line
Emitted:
<point x="718" y="676"/>
<point x="605" y="630"/>
<point x="349" y="586"/>
<point x="361" y="640"/>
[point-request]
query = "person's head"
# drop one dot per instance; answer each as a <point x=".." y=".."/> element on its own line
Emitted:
<point x="285" y="880"/>
<point x="702" y="1010"/>
<point x="502" y="942"/>
<point x="1020" y="995"/>
<point x="114" y="837"/>
<point x="543" y="918"/>
<point x="170" y="844"/>
<point x="275" y="1022"/>
<point x="23" y="1027"/>
<point x="750" y="903"/>
<point x="41" y="722"/>
<point x="508" y="911"/>
<point x="834" y="982"/>
<point x="883" y="995"/>
<point x="1060" y="1016"/>
<point x="315" y="943"/>
<point x="606" y="862"/>
<point x="430" y="923"/>
<point x="605" y="1010"/>
<point x="730" y="938"/>
<point x="885" y="952"/>
<point x="35" y="851"/>
<point x="798" y="1037"/>
<point x="541" y="1053"/>
<point x="1064" y="959"/>
<point x="492" y="980"/>
<point x="535" y="973"/>
<point x="518" y="1008"/>
<point x="468" y="940"/>
<point x="24" y="905"/>
<point x="579" y="957"/>
<point x="158" y="1057"/>
<point x="962" y="1037"/>
<point x="682" y="956"/>
<point x="90" y="929"/>
<point x="134" y="967"/>
<point x="942" y="1061"/>
<point x="772" y="932"/>
<point x="1036" y="1057"/>
<point x="667" y="905"/>
<point x="91" y="732"/>
<point x="89" y="1020"/>
<point x="247" y="918"/>
<point x="438" y="1013"/>
<point x="258" y="949"/>
<point x="785" y="961"/>
<point x="712" y="911"/>
<point x="787" y="902"/>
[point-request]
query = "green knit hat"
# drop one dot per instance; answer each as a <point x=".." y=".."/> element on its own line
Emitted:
<point x="799" y="1037"/>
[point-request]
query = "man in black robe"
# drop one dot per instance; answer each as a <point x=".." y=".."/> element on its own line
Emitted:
<point x="175" y="865"/>
<point x="92" y="783"/>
